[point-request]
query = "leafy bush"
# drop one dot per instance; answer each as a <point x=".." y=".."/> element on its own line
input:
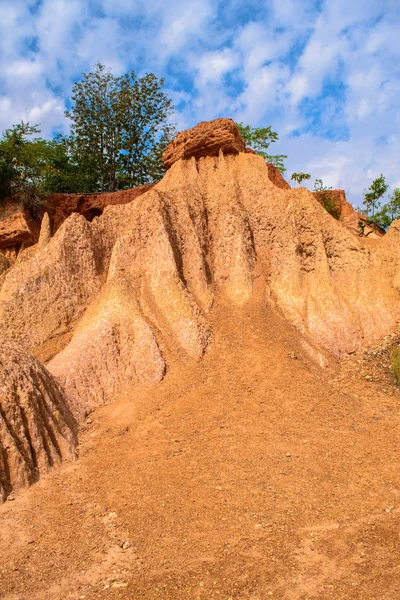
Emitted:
<point x="326" y="199"/>
<point x="22" y="162"/>
<point x="31" y="168"/>
<point x="299" y="177"/>
<point x="259" y="139"/>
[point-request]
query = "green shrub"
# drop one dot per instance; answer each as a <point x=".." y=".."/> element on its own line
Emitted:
<point x="328" y="202"/>
<point x="395" y="362"/>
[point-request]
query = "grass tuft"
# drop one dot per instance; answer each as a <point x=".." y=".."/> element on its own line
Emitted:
<point x="395" y="362"/>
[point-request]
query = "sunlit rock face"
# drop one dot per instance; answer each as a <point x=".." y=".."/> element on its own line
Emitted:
<point x="137" y="284"/>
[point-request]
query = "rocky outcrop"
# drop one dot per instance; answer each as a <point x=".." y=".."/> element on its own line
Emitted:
<point x="276" y="177"/>
<point x="45" y="231"/>
<point x="41" y="295"/>
<point x="60" y="206"/>
<point x="206" y="139"/>
<point x="37" y="429"/>
<point x="15" y="231"/>
<point x="44" y="237"/>
<point x="18" y="231"/>
<point x="143" y="308"/>
<point x="143" y="276"/>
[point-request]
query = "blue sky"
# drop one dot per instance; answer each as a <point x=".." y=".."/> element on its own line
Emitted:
<point x="324" y="74"/>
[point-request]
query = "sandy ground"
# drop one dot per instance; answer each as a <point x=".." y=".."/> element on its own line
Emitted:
<point x="250" y="474"/>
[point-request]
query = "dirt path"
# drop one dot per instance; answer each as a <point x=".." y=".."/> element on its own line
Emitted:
<point x="245" y="475"/>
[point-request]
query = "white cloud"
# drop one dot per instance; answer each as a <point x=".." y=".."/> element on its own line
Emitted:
<point x="264" y="90"/>
<point x="212" y="66"/>
<point x="182" y="22"/>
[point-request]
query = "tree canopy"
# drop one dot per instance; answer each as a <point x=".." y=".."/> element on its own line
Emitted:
<point x="32" y="167"/>
<point x="120" y="127"/>
<point x="119" y="131"/>
<point x="386" y="213"/>
<point x="299" y="177"/>
<point x="22" y="160"/>
<point x="372" y="196"/>
<point x="259" y="139"/>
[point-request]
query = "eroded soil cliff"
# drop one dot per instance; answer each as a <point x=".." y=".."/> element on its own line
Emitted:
<point x="198" y="335"/>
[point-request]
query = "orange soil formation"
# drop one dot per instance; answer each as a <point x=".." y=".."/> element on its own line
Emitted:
<point x="19" y="231"/>
<point x="348" y="216"/>
<point x="197" y="334"/>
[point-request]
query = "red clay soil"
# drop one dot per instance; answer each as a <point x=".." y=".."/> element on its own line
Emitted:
<point x="17" y="227"/>
<point x="60" y="206"/>
<point x="249" y="474"/>
<point x="348" y="215"/>
<point x="276" y="177"/>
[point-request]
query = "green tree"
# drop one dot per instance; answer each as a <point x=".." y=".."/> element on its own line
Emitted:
<point x="380" y="219"/>
<point x="145" y="129"/>
<point x="64" y="172"/>
<point x="299" y="177"/>
<point x="387" y="213"/>
<point x="12" y="156"/>
<point x="259" y="139"/>
<point x="319" y="186"/>
<point x="393" y="206"/>
<point x="31" y="167"/>
<point x="372" y="196"/>
<point x="120" y="127"/>
<point x="23" y="164"/>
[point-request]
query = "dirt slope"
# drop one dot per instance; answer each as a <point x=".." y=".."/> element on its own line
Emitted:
<point x="249" y="474"/>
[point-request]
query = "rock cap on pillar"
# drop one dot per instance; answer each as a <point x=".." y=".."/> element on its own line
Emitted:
<point x="206" y="139"/>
